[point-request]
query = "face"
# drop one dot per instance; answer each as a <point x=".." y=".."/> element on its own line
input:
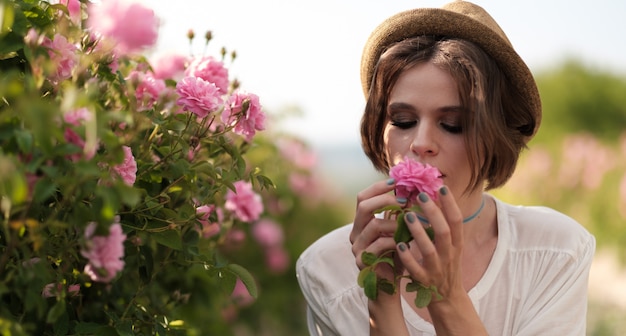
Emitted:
<point x="424" y="123"/>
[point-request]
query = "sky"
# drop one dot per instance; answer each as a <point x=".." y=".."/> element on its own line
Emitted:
<point x="305" y="55"/>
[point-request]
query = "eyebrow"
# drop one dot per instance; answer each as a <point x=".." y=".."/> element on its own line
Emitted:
<point x="405" y="106"/>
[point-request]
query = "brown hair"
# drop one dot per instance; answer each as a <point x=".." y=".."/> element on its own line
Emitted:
<point x="497" y="119"/>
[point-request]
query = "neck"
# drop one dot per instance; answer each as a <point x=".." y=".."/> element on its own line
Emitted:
<point x="466" y="219"/>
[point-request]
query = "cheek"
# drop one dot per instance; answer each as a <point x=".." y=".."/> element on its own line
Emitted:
<point x="393" y="147"/>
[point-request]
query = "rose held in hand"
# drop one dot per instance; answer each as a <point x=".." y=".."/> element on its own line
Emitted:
<point x="413" y="177"/>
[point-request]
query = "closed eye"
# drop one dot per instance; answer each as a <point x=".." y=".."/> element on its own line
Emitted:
<point x="403" y="124"/>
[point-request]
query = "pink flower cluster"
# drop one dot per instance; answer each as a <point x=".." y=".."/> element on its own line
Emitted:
<point x="148" y="89"/>
<point x="243" y="110"/>
<point x="246" y="205"/>
<point x="127" y="170"/>
<point x="413" y="177"/>
<point x="62" y="54"/>
<point x="126" y="24"/>
<point x="104" y="253"/>
<point x="54" y="289"/>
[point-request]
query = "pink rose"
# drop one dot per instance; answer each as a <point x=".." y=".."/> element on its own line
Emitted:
<point x="104" y="253"/>
<point x="73" y="8"/>
<point x="128" y="24"/>
<point x="63" y="55"/>
<point x="171" y="66"/>
<point x="198" y="96"/>
<point x="268" y="233"/>
<point x="413" y="177"/>
<point x="147" y="89"/>
<point x="244" y="202"/>
<point x="127" y="170"/>
<point x="240" y="295"/>
<point x="52" y="289"/>
<point x="211" y="70"/>
<point x="246" y="120"/>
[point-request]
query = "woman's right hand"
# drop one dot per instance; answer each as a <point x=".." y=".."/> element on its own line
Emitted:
<point x="370" y="233"/>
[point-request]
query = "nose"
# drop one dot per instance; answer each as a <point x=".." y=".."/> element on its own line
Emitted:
<point x="424" y="142"/>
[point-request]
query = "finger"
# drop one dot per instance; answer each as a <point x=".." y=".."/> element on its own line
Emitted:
<point x="425" y="246"/>
<point x="413" y="266"/>
<point x="436" y="219"/>
<point x="375" y="229"/>
<point x="369" y="201"/>
<point x="378" y="248"/>
<point x="453" y="216"/>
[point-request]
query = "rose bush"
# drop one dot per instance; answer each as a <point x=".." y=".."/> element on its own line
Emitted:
<point x="128" y="190"/>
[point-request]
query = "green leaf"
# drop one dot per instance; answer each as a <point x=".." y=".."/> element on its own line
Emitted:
<point x="386" y="286"/>
<point x="389" y="208"/>
<point x="245" y="277"/>
<point x="169" y="238"/>
<point x="368" y="258"/>
<point x="361" y="278"/>
<point x="430" y="232"/>
<point x="56" y="312"/>
<point x="413" y="286"/>
<point x="423" y="297"/>
<point x="402" y="233"/>
<point x="370" y="285"/>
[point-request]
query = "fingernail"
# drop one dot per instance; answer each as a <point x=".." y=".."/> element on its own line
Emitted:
<point x="423" y="197"/>
<point x="443" y="191"/>
<point x="410" y="218"/>
<point x="402" y="247"/>
<point x="401" y="200"/>
<point x="391" y="181"/>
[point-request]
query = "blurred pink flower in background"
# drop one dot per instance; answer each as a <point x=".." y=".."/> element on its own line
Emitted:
<point x="63" y="55"/>
<point x="413" y="177"/>
<point x="148" y="89"/>
<point x="129" y="25"/>
<point x="52" y="289"/>
<point x="198" y="96"/>
<point x="240" y="296"/>
<point x="127" y="170"/>
<point x="209" y="228"/>
<point x="585" y="161"/>
<point x="73" y="8"/>
<point x="169" y="66"/>
<point x="297" y="153"/>
<point x="244" y="202"/>
<point x="104" y="253"/>
<point x="210" y="70"/>
<point x="268" y="233"/>
<point x="246" y="123"/>
<point x="277" y="259"/>
<point x="77" y="118"/>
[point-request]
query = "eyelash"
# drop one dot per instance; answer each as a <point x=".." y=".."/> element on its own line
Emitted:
<point x="409" y="124"/>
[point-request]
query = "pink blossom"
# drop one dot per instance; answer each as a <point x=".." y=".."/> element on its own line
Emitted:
<point x="209" y="228"/>
<point x="268" y="233"/>
<point x="244" y="202"/>
<point x="77" y="118"/>
<point x="198" y="96"/>
<point x="148" y="89"/>
<point x="277" y="259"/>
<point x="63" y="55"/>
<point x="53" y="289"/>
<point x="246" y="120"/>
<point x="209" y="69"/>
<point x="240" y="295"/>
<point x="296" y="152"/>
<point x="171" y="66"/>
<point x="413" y="177"/>
<point x="104" y="253"/>
<point x="128" y="24"/>
<point x="127" y="170"/>
<point x="73" y="8"/>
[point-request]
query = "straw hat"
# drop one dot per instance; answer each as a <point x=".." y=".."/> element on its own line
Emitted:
<point x="459" y="19"/>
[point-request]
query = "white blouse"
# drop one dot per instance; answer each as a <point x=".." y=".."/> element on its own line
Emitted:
<point x="535" y="284"/>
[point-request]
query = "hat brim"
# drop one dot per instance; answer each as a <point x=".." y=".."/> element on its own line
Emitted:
<point x="442" y="22"/>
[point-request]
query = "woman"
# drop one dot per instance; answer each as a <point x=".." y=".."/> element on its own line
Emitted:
<point x="444" y="87"/>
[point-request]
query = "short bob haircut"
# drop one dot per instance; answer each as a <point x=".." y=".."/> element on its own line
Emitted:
<point x="497" y="119"/>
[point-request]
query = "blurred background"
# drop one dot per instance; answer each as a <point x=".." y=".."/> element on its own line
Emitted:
<point x="302" y="59"/>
